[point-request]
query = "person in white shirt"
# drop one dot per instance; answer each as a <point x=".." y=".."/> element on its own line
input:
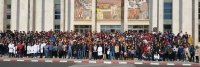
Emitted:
<point x="156" y="56"/>
<point x="11" y="47"/>
<point x="41" y="49"/>
<point x="29" y="50"/>
<point x="35" y="50"/>
<point x="15" y="50"/>
<point x="99" y="50"/>
<point x="32" y="50"/>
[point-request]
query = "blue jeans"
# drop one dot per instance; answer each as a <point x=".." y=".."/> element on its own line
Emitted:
<point x="69" y="54"/>
<point x="46" y="53"/>
<point x="79" y="54"/>
<point x="182" y="57"/>
<point x="83" y="53"/>
<point x="19" y="54"/>
<point x="35" y="55"/>
<point x="111" y="55"/>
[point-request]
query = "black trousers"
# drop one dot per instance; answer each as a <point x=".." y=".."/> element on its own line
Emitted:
<point x="94" y="54"/>
<point x="10" y="55"/>
<point x="50" y="53"/>
<point x="64" y="54"/>
<point x="192" y="57"/>
<point x="197" y="59"/>
<point x="55" y="54"/>
<point x="60" y="54"/>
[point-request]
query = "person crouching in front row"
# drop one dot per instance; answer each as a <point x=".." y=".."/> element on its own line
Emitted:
<point x="156" y="57"/>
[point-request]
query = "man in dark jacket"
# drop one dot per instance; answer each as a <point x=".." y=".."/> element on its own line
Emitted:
<point x="1" y="49"/>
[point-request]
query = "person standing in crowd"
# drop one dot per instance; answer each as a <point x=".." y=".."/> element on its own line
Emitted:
<point x="74" y="49"/>
<point x="11" y="49"/>
<point x="181" y="52"/>
<point x="169" y="53"/>
<point x="35" y="50"/>
<point x="55" y="51"/>
<point x="186" y="53"/>
<point x="84" y="50"/>
<point x="90" y="50"/>
<point x="112" y="51"/>
<point x="64" y="51"/>
<point x="51" y="50"/>
<point x="29" y="50"/>
<point x="69" y="51"/>
<point x="99" y="50"/>
<point x="15" y="50"/>
<point x="117" y="52"/>
<point x="175" y="53"/>
<point x="190" y="40"/>
<point x="79" y="47"/>
<point x="94" y="54"/>
<point x="60" y="51"/>
<point x="19" y="50"/>
<point x="24" y="49"/>
<point x="46" y="51"/>
<point x="1" y="49"/>
<point x="192" y="53"/>
<point x="41" y="48"/>
<point x="197" y="53"/>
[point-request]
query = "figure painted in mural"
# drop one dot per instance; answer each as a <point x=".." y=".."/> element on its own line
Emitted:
<point x="109" y="9"/>
<point x="138" y="9"/>
<point x="83" y="9"/>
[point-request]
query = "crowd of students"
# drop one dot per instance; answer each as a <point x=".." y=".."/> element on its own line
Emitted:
<point x="126" y="45"/>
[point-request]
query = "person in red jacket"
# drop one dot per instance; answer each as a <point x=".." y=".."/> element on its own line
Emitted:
<point x="19" y="49"/>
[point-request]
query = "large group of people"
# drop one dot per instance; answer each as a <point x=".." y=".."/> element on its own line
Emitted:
<point x="128" y="45"/>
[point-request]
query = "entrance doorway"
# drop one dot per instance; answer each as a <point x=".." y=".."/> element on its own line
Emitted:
<point x="112" y="30"/>
<point x="136" y="30"/>
<point x="82" y="28"/>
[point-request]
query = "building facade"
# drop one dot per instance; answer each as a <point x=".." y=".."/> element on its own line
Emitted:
<point x="102" y="15"/>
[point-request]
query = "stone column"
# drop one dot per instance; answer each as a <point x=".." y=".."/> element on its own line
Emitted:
<point x="71" y="15"/>
<point x="32" y="15"/>
<point x="153" y="14"/>
<point x="186" y="17"/>
<point x="23" y="18"/>
<point x="175" y="16"/>
<point x="62" y="15"/>
<point x="94" y="15"/>
<point x="195" y="29"/>
<point x="67" y="13"/>
<point x="49" y="15"/>
<point x="3" y="14"/>
<point x="14" y="15"/>
<point x="38" y="15"/>
<point x="160" y="15"/>
<point x="124" y="24"/>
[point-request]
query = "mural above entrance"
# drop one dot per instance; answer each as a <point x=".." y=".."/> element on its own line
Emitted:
<point x="138" y="9"/>
<point x="82" y="9"/>
<point x="109" y="9"/>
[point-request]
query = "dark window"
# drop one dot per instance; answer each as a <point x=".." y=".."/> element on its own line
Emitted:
<point x="167" y="26"/>
<point x="57" y="26"/>
<point x="57" y="11"/>
<point x="8" y="27"/>
<point x="199" y="16"/>
<point x="8" y="16"/>
<point x="57" y="16"/>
